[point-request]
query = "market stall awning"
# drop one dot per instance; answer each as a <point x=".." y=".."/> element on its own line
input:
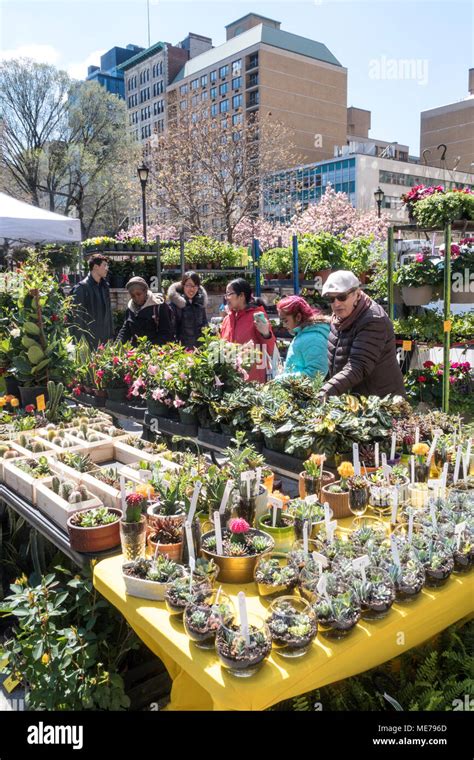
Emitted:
<point x="24" y="223"/>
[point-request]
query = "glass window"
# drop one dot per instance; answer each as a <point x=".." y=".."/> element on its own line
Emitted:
<point x="237" y="101"/>
<point x="236" y="66"/>
<point x="183" y="89"/>
<point x="224" y="123"/>
<point x="236" y="83"/>
<point x="237" y="119"/>
<point x="213" y="92"/>
<point x="194" y="100"/>
<point x="204" y="95"/>
<point x="213" y="76"/>
<point x="183" y="105"/>
<point x="204" y="80"/>
<point x="223" y="106"/>
<point x="195" y="84"/>
<point x="223" y="88"/>
<point x="214" y="109"/>
<point x="223" y="71"/>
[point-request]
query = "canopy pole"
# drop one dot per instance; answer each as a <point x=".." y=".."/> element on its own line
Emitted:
<point x="447" y="316"/>
<point x="390" y="273"/>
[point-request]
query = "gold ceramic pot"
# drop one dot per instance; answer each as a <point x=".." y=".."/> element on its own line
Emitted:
<point x="236" y="569"/>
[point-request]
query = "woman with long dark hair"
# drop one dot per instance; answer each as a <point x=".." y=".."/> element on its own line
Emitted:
<point x="246" y="323"/>
<point x="188" y="301"/>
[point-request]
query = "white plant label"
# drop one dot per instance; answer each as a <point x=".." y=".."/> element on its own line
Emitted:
<point x="219" y="591"/>
<point x="360" y="564"/>
<point x="411" y="518"/>
<point x="258" y="473"/>
<point x="312" y="499"/>
<point x="444" y="475"/>
<point x="393" y="519"/>
<point x="246" y="477"/>
<point x="355" y="458"/>
<point x="458" y="464"/>
<point x="458" y="531"/>
<point x="218" y="532"/>
<point x="244" y="621"/>
<point x="305" y="537"/>
<point x="327" y="515"/>
<point x="331" y="528"/>
<point x="387" y="471"/>
<point x="194" y="472"/>
<point x="434" y="521"/>
<point x="194" y="500"/>
<point x="189" y="539"/>
<point x="412" y="468"/>
<point x="394" y="549"/>
<point x="192" y="567"/>
<point x="225" y="496"/>
<point x="417" y="435"/>
<point x="320" y="560"/>
<point x="322" y="586"/>
<point x="393" y="446"/>
<point x="274" y="501"/>
<point x="377" y="454"/>
<point x="122" y="493"/>
<point x="384" y="459"/>
<point x="467" y="460"/>
<point x="432" y="447"/>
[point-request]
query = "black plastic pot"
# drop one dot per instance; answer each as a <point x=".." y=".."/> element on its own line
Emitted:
<point x="117" y="394"/>
<point x="13" y="389"/>
<point x="29" y="394"/>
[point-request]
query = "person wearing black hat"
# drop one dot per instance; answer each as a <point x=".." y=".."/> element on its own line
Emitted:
<point x="361" y="347"/>
<point x="147" y="315"/>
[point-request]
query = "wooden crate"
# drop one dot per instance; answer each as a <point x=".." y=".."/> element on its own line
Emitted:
<point x="27" y="453"/>
<point x="57" y="509"/>
<point x="21" y="482"/>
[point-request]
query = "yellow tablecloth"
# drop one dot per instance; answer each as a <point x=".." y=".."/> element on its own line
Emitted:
<point x="199" y="682"/>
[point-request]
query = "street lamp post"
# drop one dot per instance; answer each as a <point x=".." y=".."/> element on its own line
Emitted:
<point x="379" y="195"/>
<point x="143" y="172"/>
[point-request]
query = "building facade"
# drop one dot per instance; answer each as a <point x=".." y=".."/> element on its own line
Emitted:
<point x="451" y="126"/>
<point x="358" y="175"/>
<point x="261" y="68"/>
<point x="109" y="74"/>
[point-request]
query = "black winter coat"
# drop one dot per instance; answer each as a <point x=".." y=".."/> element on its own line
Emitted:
<point x="93" y="319"/>
<point x="153" y="321"/>
<point x="190" y="316"/>
<point x="362" y="359"/>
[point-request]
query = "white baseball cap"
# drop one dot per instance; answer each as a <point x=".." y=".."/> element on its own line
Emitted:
<point x="340" y="282"/>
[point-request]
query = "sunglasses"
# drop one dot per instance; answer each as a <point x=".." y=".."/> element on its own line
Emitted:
<point x="343" y="297"/>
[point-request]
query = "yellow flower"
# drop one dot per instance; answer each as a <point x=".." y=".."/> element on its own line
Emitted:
<point x="317" y="459"/>
<point x="345" y="470"/>
<point x="420" y="449"/>
<point x="3" y="401"/>
<point x="279" y="495"/>
<point x="14" y="402"/>
<point x="45" y="658"/>
<point x="146" y="490"/>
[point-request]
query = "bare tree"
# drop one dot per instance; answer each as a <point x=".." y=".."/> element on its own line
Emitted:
<point x="205" y="169"/>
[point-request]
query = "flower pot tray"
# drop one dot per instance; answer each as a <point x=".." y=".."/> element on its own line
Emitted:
<point x="282" y="461"/>
<point x="19" y="481"/>
<point x="57" y="509"/>
<point x="126" y="409"/>
<point x="215" y="439"/>
<point x="172" y="427"/>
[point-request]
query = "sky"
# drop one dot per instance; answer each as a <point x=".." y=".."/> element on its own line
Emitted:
<point x="402" y="57"/>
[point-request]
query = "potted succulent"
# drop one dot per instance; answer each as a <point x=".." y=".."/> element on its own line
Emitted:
<point x="149" y="578"/>
<point x="180" y="592"/>
<point x="382" y="487"/>
<point x="133" y="527"/>
<point x="243" y="656"/>
<point x="94" y="530"/>
<point x="299" y="558"/>
<point x="337" y="494"/>
<point x="58" y="498"/>
<point x="166" y="537"/>
<point x="241" y="548"/>
<point x="358" y="494"/>
<point x="368" y="532"/>
<point x="283" y="534"/>
<point x="313" y="477"/>
<point x="293" y="626"/>
<point x="436" y="557"/>
<point x="376" y="593"/>
<point x="21" y="474"/>
<point x="206" y="570"/>
<point x="203" y="615"/>
<point x="408" y="576"/>
<point x="274" y="576"/>
<point x="422" y="468"/>
<point x="337" y="609"/>
<point x="300" y="511"/>
<point x="463" y="553"/>
<point x="31" y="444"/>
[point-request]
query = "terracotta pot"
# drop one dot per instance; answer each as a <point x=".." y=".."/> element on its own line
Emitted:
<point x="93" y="540"/>
<point x="339" y="502"/>
<point x="173" y="551"/>
<point x="304" y="481"/>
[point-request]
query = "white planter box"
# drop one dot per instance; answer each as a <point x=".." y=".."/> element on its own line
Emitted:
<point x="72" y="443"/>
<point x="21" y="482"/>
<point x="131" y="455"/>
<point x="143" y="588"/>
<point x="26" y="452"/>
<point x="101" y="438"/>
<point x="57" y="509"/>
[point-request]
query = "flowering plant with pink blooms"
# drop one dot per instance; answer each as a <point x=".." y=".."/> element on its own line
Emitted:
<point x="426" y="384"/>
<point x="421" y="271"/>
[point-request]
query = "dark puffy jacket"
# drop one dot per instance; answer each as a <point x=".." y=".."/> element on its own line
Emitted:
<point x="190" y="316"/>
<point x="93" y="319"/>
<point x="362" y="359"/>
<point x="152" y="321"/>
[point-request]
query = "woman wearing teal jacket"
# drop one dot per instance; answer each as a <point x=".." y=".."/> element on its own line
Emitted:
<point x="308" y="351"/>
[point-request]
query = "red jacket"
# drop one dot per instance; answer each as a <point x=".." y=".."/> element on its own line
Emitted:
<point x="239" y="327"/>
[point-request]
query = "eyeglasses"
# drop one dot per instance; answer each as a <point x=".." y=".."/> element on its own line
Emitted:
<point x="232" y="293"/>
<point x="343" y="297"/>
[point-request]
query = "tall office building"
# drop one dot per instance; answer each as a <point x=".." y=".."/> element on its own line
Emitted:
<point x="109" y="74"/>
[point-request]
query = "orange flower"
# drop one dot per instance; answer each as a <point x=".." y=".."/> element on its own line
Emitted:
<point x="345" y="470"/>
<point x="146" y="490"/>
<point x="14" y="402"/>
<point x="3" y="401"/>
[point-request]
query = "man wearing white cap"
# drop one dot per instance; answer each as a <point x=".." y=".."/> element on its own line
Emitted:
<point x="361" y="347"/>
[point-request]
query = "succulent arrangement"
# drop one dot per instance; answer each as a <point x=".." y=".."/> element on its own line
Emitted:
<point x="76" y="460"/>
<point x="73" y="493"/>
<point x="292" y="625"/>
<point x="165" y="530"/>
<point x="160" y="570"/>
<point x="239" y="540"/>
<point x="241" y="656"/>
<point x="37" y="468"/>
<point x="93" y="518"/>
<point x="375" y="592"/>
<point x="274" y="576"/>
<point x="337" y="611"/>
<point x="204" y="614"/>
<point x="31" y="444"/>
<point x="181" y="591"/>
<point x="85" y="433"/>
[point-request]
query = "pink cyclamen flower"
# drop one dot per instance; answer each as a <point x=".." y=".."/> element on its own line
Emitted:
<point x="239" y="525"/>
<point x="419" y="258"/>
<point x="115" y="361"/>
<point x="182" y="376"/>
<point x="177" y="403"/>
<point x="168" y="402"/>
<point x="100" y="373"/>
<point x="158" y="394"/>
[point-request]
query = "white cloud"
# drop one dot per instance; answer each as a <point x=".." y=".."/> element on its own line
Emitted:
<point x="79" y="70"/>
<point x="39" y="53"/>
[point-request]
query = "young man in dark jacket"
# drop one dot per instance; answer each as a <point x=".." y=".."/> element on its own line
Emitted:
<point x="361" y="348"/>
<point x="147" y="315"/>
<point x="188" y="301"/>
<point x="93" y="319"/>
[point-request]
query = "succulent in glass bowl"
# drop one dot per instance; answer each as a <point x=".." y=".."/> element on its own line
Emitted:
<point x="293" y="626"/>
<point x="376" y="593"/>
<point x="337" y="608"/>
<point x="242" y="655"/>
<point x="274" y="576"/>
<point x="204" y="613"/>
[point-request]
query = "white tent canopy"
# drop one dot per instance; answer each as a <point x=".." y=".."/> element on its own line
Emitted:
<point x="29" y="224"/>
